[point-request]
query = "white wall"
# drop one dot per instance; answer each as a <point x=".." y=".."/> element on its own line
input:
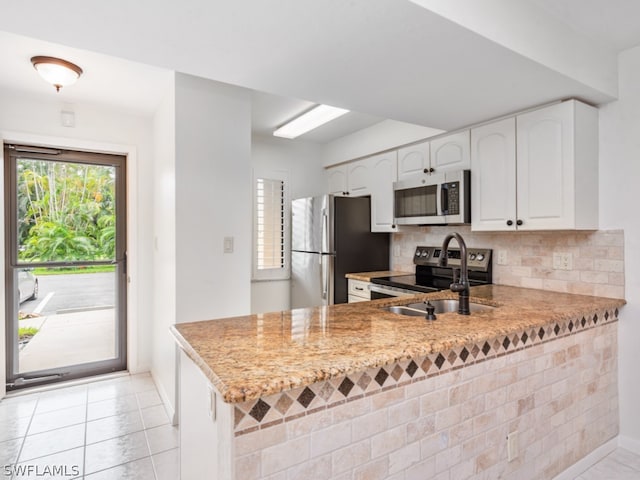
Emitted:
<point x="213" y="199"/>
<point x="619" y="174"/>
<point x="381" y="136"/>
<point x="38" y="119"/>
<point x="164" y="248"/>
<point x="302" y="161"/>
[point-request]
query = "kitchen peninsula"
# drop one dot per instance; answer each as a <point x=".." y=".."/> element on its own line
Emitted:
<point x="355" y="391"/>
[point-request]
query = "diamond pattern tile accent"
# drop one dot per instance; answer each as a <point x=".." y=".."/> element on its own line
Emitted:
<point x="475" y="350"/>
<point x="515" y="340"/>
<point x="452" y="357"/>
<point x="616" y="312"/>
<point x="524" y="337"/>
<point x="583" y="322"/>
<point x="364" y="381"/>
<point x="381" y="377"/>
<point x="595" y="318"/>
<point x="283" y="404"/>
<point x="238" y="415"/>
<point x="486" y="348"/>
<point x="426" y="365"/>
<point x="346" y="386"/>
<point x="397" y="372"/>
<point x="326" y="391"/>
<point x="571" y="326"/>
<point x="556" y="329"/>
<point x="506" y="342"/>
<point x="306" y="397"/>
<point x="259" y="410"/>
<point x="439" y="361"/>
<point x="541" y="333"/>
<point x="412" y="368"/>
<point x="464" y="354"/>
<point x="606" y="315"/>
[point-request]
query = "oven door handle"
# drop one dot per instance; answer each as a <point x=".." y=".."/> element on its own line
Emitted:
<point x="391" y="291"/>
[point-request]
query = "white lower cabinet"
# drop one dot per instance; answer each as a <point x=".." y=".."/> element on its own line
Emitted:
<point x="537" y="170"/>
<point x="358" y="290"/>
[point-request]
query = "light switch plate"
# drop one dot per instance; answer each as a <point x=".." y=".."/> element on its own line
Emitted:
<point x="228" y="244"/>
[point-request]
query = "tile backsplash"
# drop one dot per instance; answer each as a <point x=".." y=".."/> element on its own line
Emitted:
<point x="584" y="262"/>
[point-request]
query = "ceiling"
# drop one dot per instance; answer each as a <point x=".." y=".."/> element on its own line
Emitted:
<point x="381" y="58"/>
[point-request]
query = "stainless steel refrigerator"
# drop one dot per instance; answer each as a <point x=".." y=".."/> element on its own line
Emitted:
<point x="330" y="237"/>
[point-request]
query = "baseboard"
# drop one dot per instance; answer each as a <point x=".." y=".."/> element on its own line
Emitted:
<point x="588" y="461"/>
<point x="168" y="402"/>
<point x="629" y="443"/>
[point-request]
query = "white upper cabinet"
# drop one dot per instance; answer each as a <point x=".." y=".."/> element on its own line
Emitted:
<point x="383" y="169"/>
<point x="413" y="160"/>
<point x="351" y="179"/>
<point x="556" y="160"/>
<point x="358" y="178"/>
<point x="450" y="152"/>
<point x="493" y="176"/>
<point x="557" y="149"/>
<point x="337" y="178"/>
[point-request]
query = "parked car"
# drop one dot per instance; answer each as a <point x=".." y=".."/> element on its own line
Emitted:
<point x="27" y="285"/>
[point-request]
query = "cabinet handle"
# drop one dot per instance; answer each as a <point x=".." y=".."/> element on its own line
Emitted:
<point x="519" y="222"/>
<point x="431" y="170"/>
<point x="509" y="222"/>
<point x="359" y="289"/>
<point x="393" y="226"/>
<point x="426" y="170"/>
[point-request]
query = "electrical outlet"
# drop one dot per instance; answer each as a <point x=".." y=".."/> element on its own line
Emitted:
<point x="562" y="261"/>
<point x="228" y="245"/>
<point x="512" y="446"/>
<point x="503" y="257"/>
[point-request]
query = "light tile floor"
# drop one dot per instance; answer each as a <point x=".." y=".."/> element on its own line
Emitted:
<point x="620" y="464"/>
<point x="119" y="429"/>
<point x="110" y="429"/>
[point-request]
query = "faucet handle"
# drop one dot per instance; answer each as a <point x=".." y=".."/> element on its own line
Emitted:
<point x="456" y="274"/>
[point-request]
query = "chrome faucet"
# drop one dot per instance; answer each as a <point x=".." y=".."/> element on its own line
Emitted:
<point x="460" y="285"/>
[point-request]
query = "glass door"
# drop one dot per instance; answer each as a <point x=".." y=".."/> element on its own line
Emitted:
<point x="65" y="277"/>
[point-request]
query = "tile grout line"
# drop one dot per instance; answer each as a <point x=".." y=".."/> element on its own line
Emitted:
<point x="24" y="437"/>
<point x="146" y="438"/>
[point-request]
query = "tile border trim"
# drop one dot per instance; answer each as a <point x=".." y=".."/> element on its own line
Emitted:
<point x="289" y="405"/>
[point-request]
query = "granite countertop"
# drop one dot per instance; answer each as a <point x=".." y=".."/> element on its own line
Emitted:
<point x="367" y="276"/>
<point x="251" y="356"/>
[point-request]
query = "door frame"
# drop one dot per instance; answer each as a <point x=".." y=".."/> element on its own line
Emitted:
<point x="130" y="152"/>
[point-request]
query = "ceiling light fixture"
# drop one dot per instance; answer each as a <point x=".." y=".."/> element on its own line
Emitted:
<point x="56" y="71"/>
<point x="318" y="115"/>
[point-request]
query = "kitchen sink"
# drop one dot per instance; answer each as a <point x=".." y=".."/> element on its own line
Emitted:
<point x="441" y="306"/>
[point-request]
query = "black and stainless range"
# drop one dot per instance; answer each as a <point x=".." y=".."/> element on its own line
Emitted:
<point x="431" y="277"/>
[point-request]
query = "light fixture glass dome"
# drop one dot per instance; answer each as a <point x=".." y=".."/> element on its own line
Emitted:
<point x="56" y="71"/>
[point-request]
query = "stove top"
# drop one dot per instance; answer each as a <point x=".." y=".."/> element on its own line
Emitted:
<point x="430" y="277"/>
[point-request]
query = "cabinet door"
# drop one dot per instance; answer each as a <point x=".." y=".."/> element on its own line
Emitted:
<point x="493" y="176"/>
<point x="545" y="168"/>
<point x="337" y="179"/>
<point x="358" y="178"/>
<point x="383" y="172"/>
<point x="450" y="152"/>
<point x="413" y="160"/>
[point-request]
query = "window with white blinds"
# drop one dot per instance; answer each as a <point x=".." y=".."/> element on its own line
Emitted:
<point x="270" y="227"/>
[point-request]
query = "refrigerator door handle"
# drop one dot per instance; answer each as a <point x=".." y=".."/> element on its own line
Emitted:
<point x="327" y="274"/>
<point x="325" y="283"/>
<point x="325" y="230"/>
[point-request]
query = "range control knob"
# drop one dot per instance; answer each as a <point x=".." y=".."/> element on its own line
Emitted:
<point x="480" y="257"/>
<point x="472" y="256"/>
<point x="417" y="253"/>
<point x="424" y="253"/>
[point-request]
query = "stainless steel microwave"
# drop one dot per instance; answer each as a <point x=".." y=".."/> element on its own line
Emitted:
<point x="438" y="199"/>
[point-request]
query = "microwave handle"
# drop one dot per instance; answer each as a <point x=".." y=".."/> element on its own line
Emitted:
<point x="444" y="198"/>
